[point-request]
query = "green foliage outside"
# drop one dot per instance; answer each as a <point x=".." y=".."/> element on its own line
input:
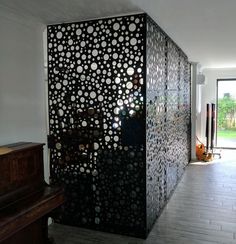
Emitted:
<point x="226" y="134"/>
<point x="227" y="113"/>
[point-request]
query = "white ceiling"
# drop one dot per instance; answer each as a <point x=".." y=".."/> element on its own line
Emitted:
<point x="204" y="29"/>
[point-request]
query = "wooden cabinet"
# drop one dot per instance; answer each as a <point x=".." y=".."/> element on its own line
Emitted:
<point x="25" y="199"/>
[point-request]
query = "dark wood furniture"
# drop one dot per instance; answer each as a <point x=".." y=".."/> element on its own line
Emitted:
<point x="25" y="199"/>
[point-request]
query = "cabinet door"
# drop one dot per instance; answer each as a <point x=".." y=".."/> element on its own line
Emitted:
<point x="5" y="178"/>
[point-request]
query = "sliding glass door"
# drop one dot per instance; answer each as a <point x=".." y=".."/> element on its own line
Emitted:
<point x="226" y="113"/>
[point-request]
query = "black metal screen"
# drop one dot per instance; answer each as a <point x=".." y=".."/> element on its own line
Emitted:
<point x="109" y="140"/>
<point x="156" y="121"/>
<point x="97" y="121"/>
<point x="168" y="118"/>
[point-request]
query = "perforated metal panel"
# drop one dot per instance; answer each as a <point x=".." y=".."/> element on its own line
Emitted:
<point x="97" y="122"/>
<point x="113" y="139"/>
<point x="156" y="121"/>
<point x="168" y="118"/>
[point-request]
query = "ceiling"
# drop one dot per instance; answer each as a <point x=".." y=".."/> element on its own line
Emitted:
<point x="204" y="29"/>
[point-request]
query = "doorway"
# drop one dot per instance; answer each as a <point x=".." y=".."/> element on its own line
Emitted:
<point x="226" y="113"/>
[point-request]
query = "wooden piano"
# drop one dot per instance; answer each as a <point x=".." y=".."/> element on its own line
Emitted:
<point x="25" y="199"/>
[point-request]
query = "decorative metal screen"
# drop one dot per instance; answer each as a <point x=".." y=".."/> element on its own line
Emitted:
<point x="115" y="87"/>
<point x="168" y="118"/>
<point x="97" y="121"/>
<point x="156" y="121"/>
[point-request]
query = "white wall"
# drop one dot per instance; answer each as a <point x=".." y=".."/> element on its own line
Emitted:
<point x="22" y="89"/>
<point x="209" y="93"/>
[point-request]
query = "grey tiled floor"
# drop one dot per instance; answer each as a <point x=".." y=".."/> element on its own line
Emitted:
<point x="201" y="210"/>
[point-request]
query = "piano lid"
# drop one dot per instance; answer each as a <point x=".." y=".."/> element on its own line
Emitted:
<point x="5" y="150"/>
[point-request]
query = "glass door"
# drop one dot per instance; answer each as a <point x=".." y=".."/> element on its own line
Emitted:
<point x="226" y="113"/>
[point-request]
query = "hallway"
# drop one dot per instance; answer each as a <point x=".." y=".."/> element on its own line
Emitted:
<point x="201" y="210"/>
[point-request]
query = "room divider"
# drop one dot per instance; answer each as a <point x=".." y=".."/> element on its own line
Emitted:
<point x="119" y="121"/>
